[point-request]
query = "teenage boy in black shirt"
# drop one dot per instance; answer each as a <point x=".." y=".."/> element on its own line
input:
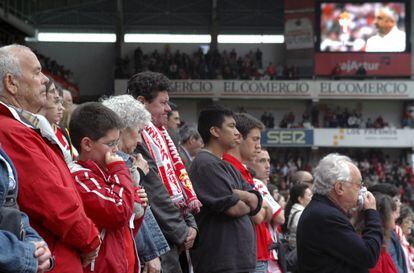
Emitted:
<point x="226" y="233"/>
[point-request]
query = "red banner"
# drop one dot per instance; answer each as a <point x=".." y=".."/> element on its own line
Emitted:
<point x="374" y="64"/>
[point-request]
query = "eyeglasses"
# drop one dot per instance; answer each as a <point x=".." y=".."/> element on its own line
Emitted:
<point x="111" y="144"/>
<point x="361" y="184"/>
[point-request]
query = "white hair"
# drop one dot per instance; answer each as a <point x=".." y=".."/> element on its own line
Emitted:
<point x="9" y="63"/>
<point x="331" y="169"/>
<point x="132" y="112"/>
<point x="389" y="12"/>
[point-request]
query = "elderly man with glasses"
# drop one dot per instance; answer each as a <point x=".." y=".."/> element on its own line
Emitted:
<point x="326" y="239"/>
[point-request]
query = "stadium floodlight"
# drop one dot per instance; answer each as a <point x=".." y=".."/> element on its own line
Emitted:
<point x="167" y="38"/>
<point x="250" y="39"/>
<point x="76" y="37"/>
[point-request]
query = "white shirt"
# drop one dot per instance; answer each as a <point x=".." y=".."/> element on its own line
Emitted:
<point x="394" y="41"/>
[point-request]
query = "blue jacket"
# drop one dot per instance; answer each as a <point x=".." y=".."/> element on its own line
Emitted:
<point x="395" y="250"/>
<point x="328" y="243"/>
<point x="15" y="256"/>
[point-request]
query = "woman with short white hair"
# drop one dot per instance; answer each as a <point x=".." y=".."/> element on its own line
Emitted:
<point x="151" y="243"/>
<point x="134" y="116"/>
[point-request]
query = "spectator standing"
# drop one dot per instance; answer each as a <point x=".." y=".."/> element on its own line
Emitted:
<point x="105" y="186"/>
<point x="173" y="123"/>
<point x="403" y="229"/>
<point x="150" y="241"/>
<point x="228" y="201"/>
<point x="246" y="150"/>
<point x="44" y="177"/>
<point x="324" y="222"/>
<point x="169" y="202"/>
<point x="394" y="247"/>
<point x="384" y="205"/>
<point x="299" y="197"/>
<point x="69" y="106"/>
<point x="53" y="112"/>
<point x="302" y="177"/>
<point x="191" y="144"/>
<point x="261" y="166"/>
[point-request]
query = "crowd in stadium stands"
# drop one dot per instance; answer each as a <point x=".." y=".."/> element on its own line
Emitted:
<point x="288" y="120"/>
<point x="129" y="188"/>
<point x="329" y="118"/>
<point x="211" y="65"/>
<point x="344" y="118"/>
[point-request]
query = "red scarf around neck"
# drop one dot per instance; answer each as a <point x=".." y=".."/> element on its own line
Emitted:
<point x="171" y="168"/>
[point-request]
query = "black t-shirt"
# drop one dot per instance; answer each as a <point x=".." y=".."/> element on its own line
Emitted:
<point x="226" y="244"/>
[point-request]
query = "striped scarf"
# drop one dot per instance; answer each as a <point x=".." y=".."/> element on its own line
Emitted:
<point x="171" y="168"/>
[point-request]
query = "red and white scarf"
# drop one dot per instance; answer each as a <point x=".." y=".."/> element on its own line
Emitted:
<point x="407" y="249"/>
<point x="171" y="168"/>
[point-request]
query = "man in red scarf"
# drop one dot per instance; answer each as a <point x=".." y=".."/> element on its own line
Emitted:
<point x="247" y="148"/>
<point x="168" y="186"/>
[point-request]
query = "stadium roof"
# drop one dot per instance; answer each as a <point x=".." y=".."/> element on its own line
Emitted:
<point x="172" y="16"/>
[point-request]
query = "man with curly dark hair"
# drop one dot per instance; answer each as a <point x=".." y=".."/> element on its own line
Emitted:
<point x="167" y="184"/>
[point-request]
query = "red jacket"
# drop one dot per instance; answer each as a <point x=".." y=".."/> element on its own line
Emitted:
<point x="108" y="197"/>
<point x="47" y="192"/>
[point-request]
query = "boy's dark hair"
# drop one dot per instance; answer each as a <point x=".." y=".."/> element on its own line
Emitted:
<point x="245" y="123"/>
<point x="209" y="117"/>
<point x="148" y="84"/>
<point x="93" y="120"/>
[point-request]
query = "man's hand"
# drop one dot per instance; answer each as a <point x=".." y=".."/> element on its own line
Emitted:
<point x="153" y="266"/>
<point x="111" y="158"/>
<point x="87" y="258"/>
<point x="143" y="196"/>
<point x="141" y="163"/>
<point x="369" y="201"/>
<point x="42" y="253"/>
<point x="249" y="198"/>
<point x="189" y="242"/>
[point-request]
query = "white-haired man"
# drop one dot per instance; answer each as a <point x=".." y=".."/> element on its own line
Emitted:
<point x="389" y="38"/>
<point x="326" y="240"/>
<point x="46" y="189"/>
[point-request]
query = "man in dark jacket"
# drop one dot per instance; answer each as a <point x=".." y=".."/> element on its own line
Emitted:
<point x="326" y="240"/>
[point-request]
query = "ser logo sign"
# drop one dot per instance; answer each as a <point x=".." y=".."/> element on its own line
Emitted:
<point x="288" y="137"/>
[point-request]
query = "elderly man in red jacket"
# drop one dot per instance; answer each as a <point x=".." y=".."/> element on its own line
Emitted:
<point x="46" y="189"/>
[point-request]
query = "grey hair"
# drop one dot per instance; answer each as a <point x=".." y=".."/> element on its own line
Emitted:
<point x="391" y="13"/>
<point x="187" y="132"/>
<point x="332" y="168"/>
<point x="132" y="112"/>
<point x="9" y="63"/>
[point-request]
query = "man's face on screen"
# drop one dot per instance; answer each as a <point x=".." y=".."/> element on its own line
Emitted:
<point x="383" y="23"/>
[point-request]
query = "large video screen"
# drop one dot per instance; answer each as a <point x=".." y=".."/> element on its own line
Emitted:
<point x="363" y="27"/>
